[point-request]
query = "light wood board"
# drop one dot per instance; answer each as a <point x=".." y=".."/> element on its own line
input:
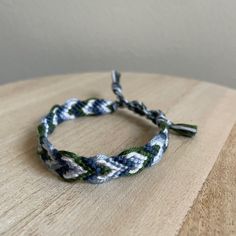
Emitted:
<point x="214" y="210"/>
<point x="158" y="201"/>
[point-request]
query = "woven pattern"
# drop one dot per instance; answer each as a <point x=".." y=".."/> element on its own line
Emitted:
<point x="99" y="168"/>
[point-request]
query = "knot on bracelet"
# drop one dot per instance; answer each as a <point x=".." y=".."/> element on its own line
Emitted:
<point x="156" y="116"/>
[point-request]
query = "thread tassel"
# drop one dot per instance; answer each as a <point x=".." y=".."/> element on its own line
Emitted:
<point x="184" y="129"/>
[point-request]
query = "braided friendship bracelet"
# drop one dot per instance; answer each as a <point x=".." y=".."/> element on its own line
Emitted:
<point x="101" y="168"/>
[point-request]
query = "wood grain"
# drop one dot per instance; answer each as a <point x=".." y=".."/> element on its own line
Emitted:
<point x="33" y="201"/>
<point x="214" y="210"/>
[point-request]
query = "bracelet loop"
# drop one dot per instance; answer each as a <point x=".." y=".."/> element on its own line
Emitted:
<point x="101" y="168"/>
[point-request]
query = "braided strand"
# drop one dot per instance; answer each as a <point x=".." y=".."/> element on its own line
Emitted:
<point x="101" y="168"/>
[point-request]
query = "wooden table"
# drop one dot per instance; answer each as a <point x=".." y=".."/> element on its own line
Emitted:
<point x="192" y="191"/>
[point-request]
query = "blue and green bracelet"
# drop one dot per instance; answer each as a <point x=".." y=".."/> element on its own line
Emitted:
<point x="101" y="168"/>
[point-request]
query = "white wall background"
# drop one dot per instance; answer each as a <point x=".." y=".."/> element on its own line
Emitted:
<point x="180" y="37"/>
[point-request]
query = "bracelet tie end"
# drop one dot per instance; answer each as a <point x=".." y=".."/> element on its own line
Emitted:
<point x="184" y="129"/>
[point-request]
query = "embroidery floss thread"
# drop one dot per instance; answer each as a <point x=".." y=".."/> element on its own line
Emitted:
<point x="101" y="168"/>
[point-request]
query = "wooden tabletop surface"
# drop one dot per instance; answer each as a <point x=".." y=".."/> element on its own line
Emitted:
<point x="190" y="192"/>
